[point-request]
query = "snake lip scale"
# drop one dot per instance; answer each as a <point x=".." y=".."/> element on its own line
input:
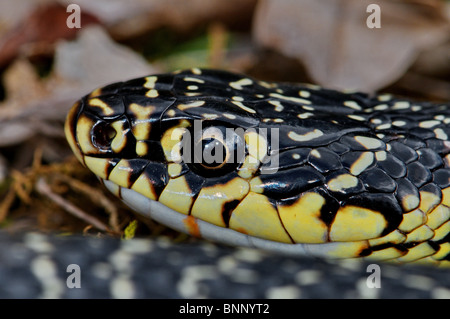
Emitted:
<point x="313" y="171"/>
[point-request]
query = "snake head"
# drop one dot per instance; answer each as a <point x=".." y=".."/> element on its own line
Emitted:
<point x="290" y="168"/>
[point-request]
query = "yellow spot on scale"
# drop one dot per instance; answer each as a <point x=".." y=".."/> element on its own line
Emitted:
<point x="248" y="167"/>
<point x="386" y="254"/>
<point x="353" y="105"/>
<point x="150" y="82"/>
<point x="120" y="140"/>
<point x="256" y="216"/>
<point x="368" y="142"/>
<point x="380" y="156"/>
<point x="380" y="107"/>
<point x="357" y="117"/>
<point x="394" y="237"/>
<point x="141" y="126"/>
<point x="95" y="93"/>
<point x="191" y="79"/>
<point x="183" y="107"/>
<point x="83" y="133"/>
<point x="170" y="142"/>
<point x="174" y="169"/>
<point x="412" y="220"/>
<point x="417" y="252"/>
<point x="420" y="234"/>
<point x="68" y="131"/>
<point x="106" y="109"/>
<point x="400" y="105"/>
<point x="364" y="161"/>
<point x="242" y="82"/>
<point x="278" y="106"/>
<point x="443" y="251"/>
<point x="429" y="124"/>
<point x="99" y="166"/>
<point x="305" y="137"/>
<point x="267" y="85"/>
<point x="256" y="144"/>
<point x="121" y="173"/>
<point x="383" y="126"/>
<point x="399" y="123"/>
<point x="290" y="98"/>
<point x="152" y="93"/>
<point x="192" y="87"/>
<point x="141" y="148"/>
<point x="354" y="223"/>
<point x="346" y="249"/>
<point x="256" y="185"/>
<point x="302" y="219"/>
<point x="196" y="71"/>
<point x="342" y="182"/>
<point x="446" y="196"/>
<point x="177" y="195"/>
<point x="315" y="153"/>
<point x="171" y="113"/>
<point x="304" y="93"/>
<point x="442" y="231"/>
<point x="210" y="201"/>
<point x="440" y="134"/>
<point x="384" y="97"/>
<point x="242" y="106"/>
<point x="428" y="201"/>
<point x="143" y="185"/>
<point x="438" y="216"/>
<point x="229" y="116"/>
<point x="209" y="116"/>
<point x="305" y="115"/>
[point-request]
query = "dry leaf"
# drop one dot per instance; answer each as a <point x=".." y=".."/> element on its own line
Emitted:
<point x="39" y="31"/>
<point x="90" y="61"/>
<point x="333" y="41"/>
<point x="130" y="18"/>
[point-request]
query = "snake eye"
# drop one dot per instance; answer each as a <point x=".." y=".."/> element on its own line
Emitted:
<point x="102" y="135"/>
<point x="217" y="150"/>
<point x="215" y="153"/>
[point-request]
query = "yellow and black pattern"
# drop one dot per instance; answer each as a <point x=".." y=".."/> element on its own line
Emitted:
<point x="299" y="163"/>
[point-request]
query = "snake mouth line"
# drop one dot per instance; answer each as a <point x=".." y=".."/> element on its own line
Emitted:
<point x="198" y="228"/>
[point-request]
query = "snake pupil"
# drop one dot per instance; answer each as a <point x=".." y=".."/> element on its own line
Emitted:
<point x="214" y="153"/>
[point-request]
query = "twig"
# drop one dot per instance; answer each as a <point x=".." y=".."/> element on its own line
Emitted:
<point x="96" y="196"/>
<point x="44" y="189"/>
<point x="6" y="203"/>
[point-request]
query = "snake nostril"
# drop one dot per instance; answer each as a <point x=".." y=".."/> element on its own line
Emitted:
<point x="103" y="134"/>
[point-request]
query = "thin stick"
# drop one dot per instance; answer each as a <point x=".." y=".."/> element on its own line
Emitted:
<point x="44" y="189"/>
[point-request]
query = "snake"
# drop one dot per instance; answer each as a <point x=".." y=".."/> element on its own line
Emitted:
<point x="291" y="168"/>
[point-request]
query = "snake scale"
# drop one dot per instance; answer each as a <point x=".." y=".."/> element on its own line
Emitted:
<point x="291" y="168"/>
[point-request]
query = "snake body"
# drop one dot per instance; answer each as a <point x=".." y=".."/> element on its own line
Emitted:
<point x="293" y="168"/>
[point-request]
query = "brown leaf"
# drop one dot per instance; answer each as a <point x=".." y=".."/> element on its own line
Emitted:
<point x="90" y="61"/>
<point x="42" y="28"/>
<point x="338" y="49"/>
<point x="133" y="17"/>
